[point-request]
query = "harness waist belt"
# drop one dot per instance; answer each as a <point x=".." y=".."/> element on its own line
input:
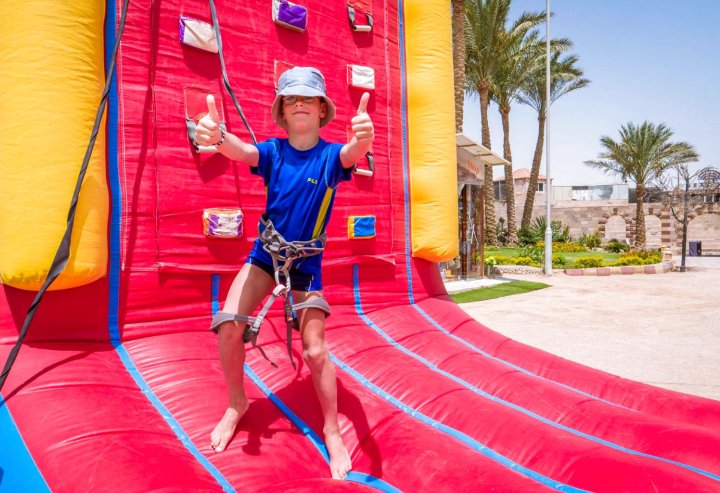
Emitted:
<point x="283" y="254"/>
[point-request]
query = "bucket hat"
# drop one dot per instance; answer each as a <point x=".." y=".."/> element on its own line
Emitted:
<point x="301" y="81"/>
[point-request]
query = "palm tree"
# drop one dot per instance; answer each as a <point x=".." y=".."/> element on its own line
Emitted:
<point x="565" y="77"/>
<point x="521" y="56"/>
<point x="643" y="153"/>
<point x="458" y="34"/>
<point x="485" y="37"/>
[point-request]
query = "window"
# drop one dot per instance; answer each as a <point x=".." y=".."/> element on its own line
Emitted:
<point x="540" y="187"/>
<point x="499" y="187"/>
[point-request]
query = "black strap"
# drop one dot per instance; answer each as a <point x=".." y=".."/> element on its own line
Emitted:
<point x="216" y="25"/>
<point x="253" y="339"/>
<point x="63" y="252"/>
<point x="290" y="324"/>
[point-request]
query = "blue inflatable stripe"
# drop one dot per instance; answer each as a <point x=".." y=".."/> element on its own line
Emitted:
<point x="478" y="391"/>
<point x="114" y="268"/>
<point x="170" y="419"/>
<point x="507" y="363"/>
<point x="18" y="471"/>
<point x="406" y="193"/>
<point x="404" y="125"/>
<point x="408" y="255"/>
<point x="355" y="477"/>
<point x="465" y="439"/>
<point x="113" y="177"/>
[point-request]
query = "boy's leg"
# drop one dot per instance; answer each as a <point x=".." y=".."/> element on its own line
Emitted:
<point x="317" y="357"/>
<point x="248" y="289"/>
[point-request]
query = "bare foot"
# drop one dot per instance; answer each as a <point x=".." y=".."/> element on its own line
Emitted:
<point x="340" y="463"/>
<point x="223" y="432"/>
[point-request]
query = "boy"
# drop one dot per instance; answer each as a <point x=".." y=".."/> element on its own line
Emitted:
<point x="301" y="174"/>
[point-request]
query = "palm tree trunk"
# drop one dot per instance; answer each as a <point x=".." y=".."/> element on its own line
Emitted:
<point x="509" y="183"/>
<point x="534" y="173"/>
<point x="640" y="217"/>
<point x="458" y="28"/>
<point x="490" y="232"/>
<point x="458" y="33"/>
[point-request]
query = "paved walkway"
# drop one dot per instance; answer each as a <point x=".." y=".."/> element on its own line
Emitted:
<point x="458" y="286"/>
<point x="662" y="329"/>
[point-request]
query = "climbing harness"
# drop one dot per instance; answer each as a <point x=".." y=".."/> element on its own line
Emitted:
<point x="283" y="253"/>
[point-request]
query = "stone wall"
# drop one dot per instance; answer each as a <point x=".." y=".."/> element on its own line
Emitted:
<point x="705" y="227"/>
<point x="616" y="220"/>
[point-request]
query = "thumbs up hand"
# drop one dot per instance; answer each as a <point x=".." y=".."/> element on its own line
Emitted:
<point x="207" y="131"/>
<point x="362" y="126"/>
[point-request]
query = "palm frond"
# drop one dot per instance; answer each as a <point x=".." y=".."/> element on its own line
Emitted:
<point x="643" y="153"/>
<point x="565" y="77"/>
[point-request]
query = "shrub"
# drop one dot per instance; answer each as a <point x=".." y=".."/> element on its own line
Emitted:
<point x="648" y="256"/>
<point x="501" y="231"/>
<point x="615" y="246"/>
<point x="560" y="233"/>
<point x="537" y="254"/>
<point x="503" y="260"/>
<point x="570" y="247"/>
<point x="536" y="231"/>
<point x="629" y="260"/>
<point x="654" y="255"/>
<point x="524" y="261"/>
<point x="559" y="261"/>
<point x="591" y="240"/>
<point x="586" y="262"/>
<point x="539" y="225"/>
<point x="528" y="236"/>
<point x="498" y="259"/>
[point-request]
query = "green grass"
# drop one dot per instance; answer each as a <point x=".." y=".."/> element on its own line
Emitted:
<point x="607" y="257"/>
<point x="497" y="291"/>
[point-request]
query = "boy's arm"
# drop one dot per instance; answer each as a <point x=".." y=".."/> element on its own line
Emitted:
<point x="208" y="132"/>
<point x="363" y="135"/>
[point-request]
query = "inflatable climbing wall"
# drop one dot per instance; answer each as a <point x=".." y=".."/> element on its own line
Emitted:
<point x="118" y="383"/>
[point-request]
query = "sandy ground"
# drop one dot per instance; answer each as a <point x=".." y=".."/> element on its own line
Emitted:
<point x="661" y="329"/>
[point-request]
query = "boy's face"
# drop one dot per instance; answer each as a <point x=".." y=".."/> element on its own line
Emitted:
<point x="303" y="113"/>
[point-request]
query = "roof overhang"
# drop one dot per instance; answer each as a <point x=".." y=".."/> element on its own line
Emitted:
<point x="472" y="159"/>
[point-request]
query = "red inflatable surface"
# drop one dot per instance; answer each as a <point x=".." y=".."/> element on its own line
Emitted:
<point x="119" y="383"/>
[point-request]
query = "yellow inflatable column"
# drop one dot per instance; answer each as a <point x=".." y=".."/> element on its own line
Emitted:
<point x="51" y="79"/>
<point x="431" y="129"/>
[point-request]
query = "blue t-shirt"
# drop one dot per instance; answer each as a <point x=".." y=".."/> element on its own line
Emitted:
<point x="300" y="187"/>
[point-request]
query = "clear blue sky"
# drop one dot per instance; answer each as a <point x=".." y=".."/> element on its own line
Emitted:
<point x="655" y="60"/>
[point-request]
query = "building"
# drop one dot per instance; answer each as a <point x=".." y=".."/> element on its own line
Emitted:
<point x="521" y="180"/>
<point x="611" y="210"/>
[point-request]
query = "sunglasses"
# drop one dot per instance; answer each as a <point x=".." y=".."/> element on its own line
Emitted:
<point x="304" y="99"/>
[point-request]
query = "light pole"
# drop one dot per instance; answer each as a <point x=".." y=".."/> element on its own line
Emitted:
<point x="548" y="182"/>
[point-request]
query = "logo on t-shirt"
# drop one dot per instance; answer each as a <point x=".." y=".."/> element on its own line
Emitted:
<point x="312" y="180"/>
